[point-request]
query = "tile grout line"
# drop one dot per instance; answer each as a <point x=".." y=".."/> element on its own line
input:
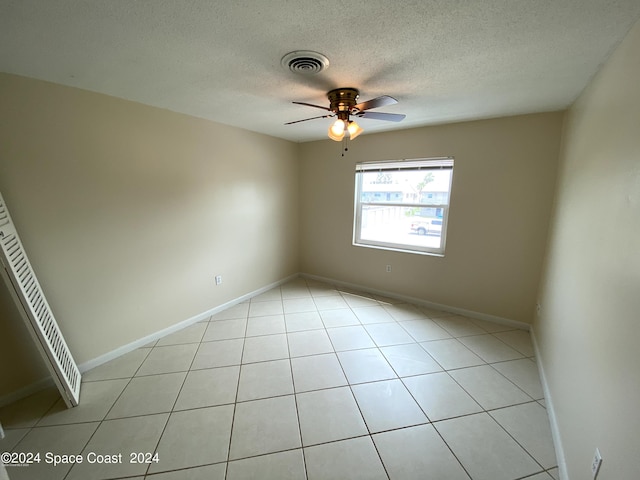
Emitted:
<point x="175" y="402"/>
<point x="488" y="412"/>
<point x="483" y="410"/>
<point x="104" y="419"/>
<point x="517" y="442"/>
<point x="295" y="399"/>
<point x="350" y="385"/>
<point x="452" y="452"/>
<point x="235" y="403"/>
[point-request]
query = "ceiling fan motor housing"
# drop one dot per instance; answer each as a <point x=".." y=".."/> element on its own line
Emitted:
<point x="342" y="101"/>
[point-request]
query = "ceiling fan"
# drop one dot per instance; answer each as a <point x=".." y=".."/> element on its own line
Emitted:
<point x="342" y="104"/>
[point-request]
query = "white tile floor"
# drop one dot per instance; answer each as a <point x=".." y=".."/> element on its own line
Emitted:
<point x="306" y="381"/>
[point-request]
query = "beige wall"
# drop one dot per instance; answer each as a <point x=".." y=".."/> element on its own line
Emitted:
<point x="127" y="212"/>
<point x="19" y="357"/>
<point x="589" y="327"/>
<point x="503" y="184"/>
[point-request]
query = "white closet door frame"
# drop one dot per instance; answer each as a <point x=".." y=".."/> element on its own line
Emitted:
<point x="35" y="311"/>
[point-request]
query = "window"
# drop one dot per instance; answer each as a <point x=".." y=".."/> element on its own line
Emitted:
<point x="413" y="215"/>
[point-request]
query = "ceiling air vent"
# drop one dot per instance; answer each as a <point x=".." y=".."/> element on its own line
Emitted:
<point x="305" y="62"/>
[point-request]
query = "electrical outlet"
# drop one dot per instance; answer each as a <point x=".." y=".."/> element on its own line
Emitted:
<point x="388" y="268"/>
<point x="595" y="465"/>
<point x="218" y="279"/>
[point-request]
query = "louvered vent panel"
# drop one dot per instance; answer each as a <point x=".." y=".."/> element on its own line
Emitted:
<point x="36" y="311"/>
<point x="4" y="215"/>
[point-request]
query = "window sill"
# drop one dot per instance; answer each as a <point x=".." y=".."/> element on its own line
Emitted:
<point x="398" y="249"/>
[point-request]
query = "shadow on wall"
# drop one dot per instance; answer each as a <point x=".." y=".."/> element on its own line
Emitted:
<point x="20" y="361"/>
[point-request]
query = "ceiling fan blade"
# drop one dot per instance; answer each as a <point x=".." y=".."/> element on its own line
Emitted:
<point x="312" y="118"/>
<point x="312" y="105"/>
<point x="390" y="117"/>
<point x="376" y="102"/>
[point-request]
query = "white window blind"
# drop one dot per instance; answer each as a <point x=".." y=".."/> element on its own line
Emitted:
<point x="413" y="164"/>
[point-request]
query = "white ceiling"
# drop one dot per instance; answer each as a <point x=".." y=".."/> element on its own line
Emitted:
<point x="444" y="60"/>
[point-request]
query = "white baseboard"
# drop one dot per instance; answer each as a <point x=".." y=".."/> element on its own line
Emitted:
<point x="425" y="303"/>
<point x="118" y="352"/>
<point x="551" y="413"/>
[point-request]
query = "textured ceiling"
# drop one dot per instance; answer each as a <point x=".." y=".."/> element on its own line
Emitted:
<point x="444" y="60"/>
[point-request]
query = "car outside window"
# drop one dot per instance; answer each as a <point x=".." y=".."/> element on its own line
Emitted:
<point x="403" y="204"/>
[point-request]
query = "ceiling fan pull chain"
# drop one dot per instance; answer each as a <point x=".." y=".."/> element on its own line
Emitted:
<point x="345" y="148"/>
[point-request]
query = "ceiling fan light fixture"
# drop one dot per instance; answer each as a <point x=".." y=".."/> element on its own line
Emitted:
<point x="343" y="104"/>
<point x="336" y="130"/>
<point x="354" y="129"/>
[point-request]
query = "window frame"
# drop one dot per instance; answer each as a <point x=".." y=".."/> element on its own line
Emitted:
<point x="419" y="164"/>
